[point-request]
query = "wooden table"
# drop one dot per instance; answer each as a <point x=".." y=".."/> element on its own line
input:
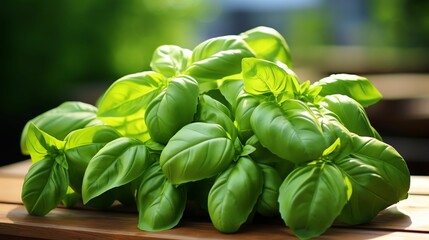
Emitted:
<point x="408" y="219"/>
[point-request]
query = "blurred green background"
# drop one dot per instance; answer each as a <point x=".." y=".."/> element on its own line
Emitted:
<point x="63" y="50"/>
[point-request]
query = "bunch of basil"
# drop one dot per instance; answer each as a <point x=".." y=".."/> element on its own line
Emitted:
<point x="228" y="126"/>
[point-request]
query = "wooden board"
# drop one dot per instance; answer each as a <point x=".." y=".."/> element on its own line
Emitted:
<point x="408" y="219"/>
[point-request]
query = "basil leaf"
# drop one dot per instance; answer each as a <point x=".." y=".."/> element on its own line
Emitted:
<point x="45" y="185"/>
<point x="197" y="151"/>
<point x="291" y="131"/>
<point x="379" y="177"/>
<point x="268" y="204"/>
<point x="81" y="146"/>
<point x="117" y="163"/>
<point x="71" y="198"/>
<point x="170" y="60"/>
<point x="262" y="77"/>
<point x="230" y="90"/>
<point x="261" y="153"/>
<point x="160" y="203"/>
<point x="234" y="195"/>
<point x="124" y="103"/>
<point x="351" y="114"/>
<point x="172" y="109"/>
<point x="267" y="43"/>
<point x="311" y="197"/>
<point x="212" y="111"/>
<point x="354" y="86"/>
<point x="246" y="104"/>
<point x="41" y="145"/>
<point x="218" y="57"/>
<point x="60" y="121"/>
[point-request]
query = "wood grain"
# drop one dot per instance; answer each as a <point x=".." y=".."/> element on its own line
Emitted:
<point x="408" y="219"/>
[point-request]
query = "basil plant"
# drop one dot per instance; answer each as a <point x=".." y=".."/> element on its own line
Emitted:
<point x="226" y="129"/>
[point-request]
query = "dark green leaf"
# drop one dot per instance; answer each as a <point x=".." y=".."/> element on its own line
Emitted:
<point x="117" y="163"/>
<point x="291" y="131"/>
<point x="350" y="113"/>
<point x="197" y="151"/>
<point x="379" y="177"/>
<point x="311" y="197"/>
<point x="81" y="146"/>
<point x="172" y="109"/>
<point x="268" y="204"/>
<point x="45" y="185"/>
<point x="160" y="203"/>
<point x="234" y="194"/>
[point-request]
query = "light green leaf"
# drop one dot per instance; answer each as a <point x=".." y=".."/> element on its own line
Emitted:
<point x="170" y="60"/>
<point x="197" y="151"/>
<point x="41" y="145"/>
<point x="117" y="163"/>
<point x="359" y="88"/>
<point x="267" y="43"/>
<point x="81" y="146"/>
<point x="60" y="121"/>
<point x="124" y="103"/>
<point x="262" y="77"/>
<point x="218" y="57"/>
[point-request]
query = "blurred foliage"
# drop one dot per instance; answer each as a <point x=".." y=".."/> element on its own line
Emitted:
<point x="50" y="48"/>
<point x="402" y="23"/>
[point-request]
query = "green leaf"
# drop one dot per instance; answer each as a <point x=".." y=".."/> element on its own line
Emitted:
<point x="231" y="89"/>
<point x="291" y="131"/>
<point x="246" y="104"/>
<point x="234" y="194"/>
<point x="45" y="185"/>
<point x="41" y="145"/>
<point x="60" y="121"/>
<point x="311" y="197"/>
<point x="81" y="146"/>
<point x="172" y="109"/>
<point x="267" y="43"/>
<point x="117" y="163"/>
<point x="160" y="203"/>
<point x="170" y="60"/>
<point x="359" y="88"/>
<point x="212" y="111"/>
<point x="351" y="114"/>
<point x="124" y="103"/>
<point x="268" y="204"/>
<point x="71" y="198"/>
<point x="262" y="77"/>
<point x="199" y="150"/>
<point x="261" y="154"/>
<point x="218" y="57"/>
<point x="379" y="177"/>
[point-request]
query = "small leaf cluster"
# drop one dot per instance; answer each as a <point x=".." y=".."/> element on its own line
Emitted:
<point x="228" y="127"/>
